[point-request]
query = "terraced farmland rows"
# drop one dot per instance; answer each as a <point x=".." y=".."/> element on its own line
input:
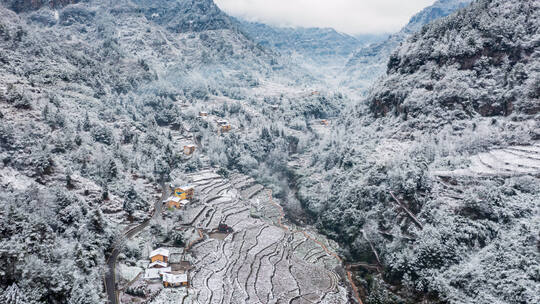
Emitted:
<point x="510" y="161"/>
<point x="260" y="262"/>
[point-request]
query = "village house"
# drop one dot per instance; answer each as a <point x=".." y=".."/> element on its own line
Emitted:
<point x="157" y="264"/>
<point x="173" y="202"/>
<point x="224" y="126"/>
<point x="325" y="122"/>
<point x="175" y="280"/>
<point x="189" y="149"/>
<point x="184" y="192"/>
<point x="160" y="254"/>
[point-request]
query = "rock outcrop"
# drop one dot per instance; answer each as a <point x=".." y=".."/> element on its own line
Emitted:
<point x="370" y="62"/>
<point x="484" y="60"/>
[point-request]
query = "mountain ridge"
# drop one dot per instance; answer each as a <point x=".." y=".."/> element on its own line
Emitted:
<point x="369" y="63"/>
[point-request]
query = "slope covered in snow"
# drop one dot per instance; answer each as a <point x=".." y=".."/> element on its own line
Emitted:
<point x="370" y="62"/>
<point x="483" y="61"/>
<point x="87" y="94"/>
<point x="435" y="174"/>
<point x="312" y="43"/>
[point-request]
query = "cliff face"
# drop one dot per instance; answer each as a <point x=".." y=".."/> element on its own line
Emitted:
<point x="370" y="62"/>
<point x="30" y="5"/>
<point x="483" y="60"/>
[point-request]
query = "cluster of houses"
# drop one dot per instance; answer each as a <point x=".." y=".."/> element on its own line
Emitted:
<point x="181" y="196"/>
<point x="223" y="125"/>
<point x="160" y="259"/>
<point x="159" y="269"/>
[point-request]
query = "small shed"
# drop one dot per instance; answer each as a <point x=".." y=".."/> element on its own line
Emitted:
<point x="160" y="254"/>
<point x="325" y="122"/>
<point x="203" y="114"/>
<point x="155" y="273"/>
<point x="189" y="149"/>
<point x="175" y="280"/>
<point x="224" y="228"/>
<point x="184" y="192"/>
<point x="223" y="126"/>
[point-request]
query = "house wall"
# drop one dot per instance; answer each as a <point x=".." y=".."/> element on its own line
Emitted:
<point x="158" y="258"/>
<point x="225" y="128"/>
<point x="172" y="204"/>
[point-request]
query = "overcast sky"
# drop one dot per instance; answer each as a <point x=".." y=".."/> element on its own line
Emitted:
<point x="348" y="16"/>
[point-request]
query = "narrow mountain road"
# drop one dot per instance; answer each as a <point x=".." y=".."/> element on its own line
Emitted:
<point x="110" y="275"/>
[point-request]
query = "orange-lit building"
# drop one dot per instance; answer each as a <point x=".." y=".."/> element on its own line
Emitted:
<point x="189" y="149"/>
<point x="184" y="192"/>
<point x="160" y="254"/>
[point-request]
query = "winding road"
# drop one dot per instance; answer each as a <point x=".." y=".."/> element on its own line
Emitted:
<point x="110" y="276"/>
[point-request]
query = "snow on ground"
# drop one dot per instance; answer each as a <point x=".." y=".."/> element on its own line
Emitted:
<point x="128" y="273"/>
<point x="510" y="161"/>
<point x="173" y="296"/>
<point x="257" y="262"/>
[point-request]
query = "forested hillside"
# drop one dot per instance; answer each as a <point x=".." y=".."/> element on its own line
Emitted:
<point x="84" y="94"/>
<point x="317" y="44"/>
<point x="90" y="94"/>
<point x="496" y="45"/>
<point x="370" y="62"/>
<point x="430" y="184"/>
<point x="417" y="178"/>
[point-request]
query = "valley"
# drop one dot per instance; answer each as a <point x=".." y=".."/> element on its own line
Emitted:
<point x="261" y="261"/>
<point x="162" y="151"/>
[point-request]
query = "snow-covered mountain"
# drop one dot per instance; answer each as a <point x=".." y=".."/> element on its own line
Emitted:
<point x="89" y="95"/>
<point x="313" y="43"/>
<point x="465" y="66"/>
<point x="429" y="187"/>
<point x="369" y="63"/>
<point x="434" y="177"/>
<point x="30" y="5"/>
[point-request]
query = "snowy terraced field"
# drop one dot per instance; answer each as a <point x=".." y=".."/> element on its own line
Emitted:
<point x="259" y="262"/>
<point x="510" y="161"/>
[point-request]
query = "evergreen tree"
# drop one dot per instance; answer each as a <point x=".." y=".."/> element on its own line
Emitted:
<point x="86" y="123"/>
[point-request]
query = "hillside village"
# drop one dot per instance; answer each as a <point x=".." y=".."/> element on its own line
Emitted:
<point x="227" y="228"/>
